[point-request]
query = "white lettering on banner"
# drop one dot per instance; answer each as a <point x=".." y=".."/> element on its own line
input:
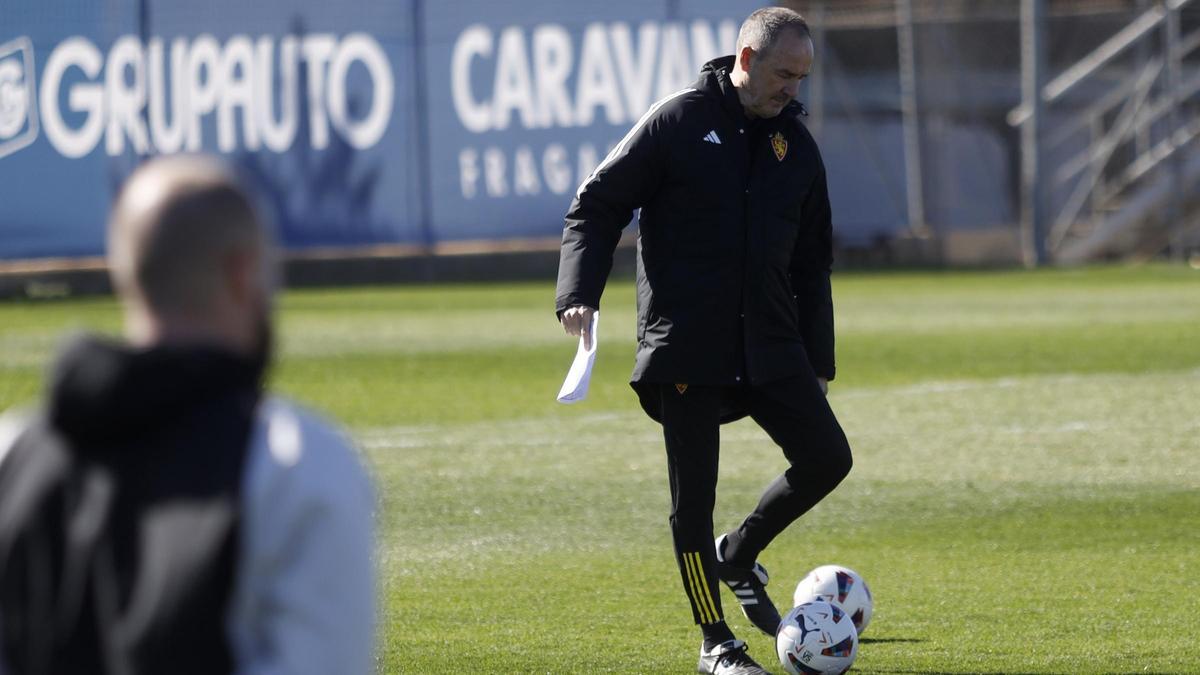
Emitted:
<point x="555" y="173"/>
<point x="19" y="121"/>
<point x="88" y="98"/>
<point x="556" y="169"/>
<point x="237" y="67"/>
<point x="612" y="73"/>
<point x="597" y="80"/>
<point x="14" y="108"/>
<point x="277" y="136"/>
<point x="552" y="61"/>
<point x="525" y="173"/>
<point x="474" y="41"/>
<point x="513" y="88"/>
<point x="675" y="70"/>
<point x="360" y="48"/>
<point x="317" y="51"/>
<point x="168" y="137"/>
<point x="635" y="65"/>
<point x="541" y="79"/>
<point x="494" y="172"/>
<point x="468" y="171"/>
<point x="125" y="97"/>
<point x="202" y="97"/>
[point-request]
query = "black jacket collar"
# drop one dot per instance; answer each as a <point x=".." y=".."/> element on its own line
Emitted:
<point x="105" y="391"/>
<point x="715" y="81"/>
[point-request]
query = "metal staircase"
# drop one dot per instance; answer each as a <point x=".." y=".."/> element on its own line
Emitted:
<point x="1120" y="166"/>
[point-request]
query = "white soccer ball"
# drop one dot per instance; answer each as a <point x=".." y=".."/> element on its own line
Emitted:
<point x="841" y="585"/>
<point x="816" y="638"/>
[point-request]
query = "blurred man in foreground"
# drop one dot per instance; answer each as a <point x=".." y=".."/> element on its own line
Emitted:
<point x="735" y="316"/>
<point x="158" y="514"/>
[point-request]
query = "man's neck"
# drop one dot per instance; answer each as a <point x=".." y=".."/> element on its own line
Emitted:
<point x="737" y="78"/>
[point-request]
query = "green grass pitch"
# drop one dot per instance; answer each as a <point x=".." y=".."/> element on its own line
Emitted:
<point x="1025" y="497"/>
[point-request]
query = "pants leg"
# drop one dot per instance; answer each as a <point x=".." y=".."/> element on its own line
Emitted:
<point x="691" y="429"/>
<point x="797" y="416"/>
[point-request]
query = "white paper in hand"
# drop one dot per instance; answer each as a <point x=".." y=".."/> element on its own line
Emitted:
<point x="575" y="387"/>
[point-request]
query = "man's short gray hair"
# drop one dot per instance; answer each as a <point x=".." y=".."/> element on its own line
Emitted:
<point x="761" y="29"/>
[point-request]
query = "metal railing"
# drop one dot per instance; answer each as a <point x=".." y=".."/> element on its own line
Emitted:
<point x="1142" y="122"/>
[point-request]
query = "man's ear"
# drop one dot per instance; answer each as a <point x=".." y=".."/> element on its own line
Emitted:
<point x="242" y="274"/>
<point x="746" y="58"/>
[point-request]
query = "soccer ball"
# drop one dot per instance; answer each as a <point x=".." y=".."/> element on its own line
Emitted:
<point x="841" y="585"/>
<point x="816" y="638"/>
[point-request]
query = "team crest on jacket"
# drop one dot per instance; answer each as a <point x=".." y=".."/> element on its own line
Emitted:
<point x="779" y="145"/>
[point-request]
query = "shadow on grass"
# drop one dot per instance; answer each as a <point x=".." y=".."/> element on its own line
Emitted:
<point x="890" y="671"/>
<point x="893" y="671"/>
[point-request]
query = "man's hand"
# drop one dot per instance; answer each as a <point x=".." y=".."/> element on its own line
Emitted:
<point x="824" y="385"/>
<point x="577" y="321"/>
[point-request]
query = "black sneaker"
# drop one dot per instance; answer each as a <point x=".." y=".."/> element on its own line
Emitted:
<point x="728" y="658"/>
<point x="749" y="587"/>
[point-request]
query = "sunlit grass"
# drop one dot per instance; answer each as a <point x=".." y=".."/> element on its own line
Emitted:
<point x="1025" y="497"/>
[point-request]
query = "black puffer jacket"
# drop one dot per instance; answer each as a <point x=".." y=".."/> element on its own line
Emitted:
<point x="735" y="242"/>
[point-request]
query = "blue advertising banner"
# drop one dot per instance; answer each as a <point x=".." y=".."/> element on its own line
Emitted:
<point x="54" y="198"/>
<point x="525" y="103"/>
<point x="404" y="123"/>
<point x="314" y="100"/>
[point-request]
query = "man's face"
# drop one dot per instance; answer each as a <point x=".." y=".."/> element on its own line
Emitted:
<point x="773" y="77"/>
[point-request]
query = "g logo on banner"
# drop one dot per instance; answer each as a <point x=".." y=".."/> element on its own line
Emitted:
<point x="18" y="96"/>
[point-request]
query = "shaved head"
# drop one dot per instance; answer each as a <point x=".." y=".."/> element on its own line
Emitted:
<point x="186" y="249"/>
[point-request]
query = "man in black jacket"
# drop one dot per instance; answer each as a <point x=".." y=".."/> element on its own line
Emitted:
<point x="735" y="315"/>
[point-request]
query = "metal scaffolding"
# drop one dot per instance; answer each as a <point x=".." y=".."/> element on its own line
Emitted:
<point x="1125" y="190"/>
<point x="1033" y="76"/>
<point x="1081" y="115"/>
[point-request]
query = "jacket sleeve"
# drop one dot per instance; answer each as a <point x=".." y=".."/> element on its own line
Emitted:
<point x="304" y="600"/>
<point x="13" y="423"/>
<point x="602" y="207"/>
<point x="812" y="263"/>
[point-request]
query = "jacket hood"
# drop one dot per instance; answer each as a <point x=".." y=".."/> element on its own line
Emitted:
<point x="103" y="391"/>
<point x="714" y="80"/>
<point x="720" y="63"/>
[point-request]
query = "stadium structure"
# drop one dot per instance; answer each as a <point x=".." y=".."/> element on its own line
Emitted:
<point x="403" y="140"/>
<point x="931" y="105"/>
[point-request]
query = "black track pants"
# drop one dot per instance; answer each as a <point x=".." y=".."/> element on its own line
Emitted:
<point x="796" y="415"/>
